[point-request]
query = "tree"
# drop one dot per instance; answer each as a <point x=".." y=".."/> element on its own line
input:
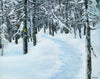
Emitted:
<point x="3" y="37"/>
<point x="90" y="20"/>
<point x="25" y="44"/>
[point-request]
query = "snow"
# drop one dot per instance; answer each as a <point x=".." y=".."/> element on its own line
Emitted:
<point x="82" y="1"/>
<point x="20" y="29"/>
<point x="3" y="34"/>
<point x="57" y="20"/>
<point x="96" y="45"/>
<point x="94" y="3"/>
<point x="12" y="11"/>
<point x="58" y="57"/>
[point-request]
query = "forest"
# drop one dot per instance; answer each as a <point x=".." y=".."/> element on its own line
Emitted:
<point x="45" y="34"/>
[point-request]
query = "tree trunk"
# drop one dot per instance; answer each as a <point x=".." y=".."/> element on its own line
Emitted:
<point x="52" y="28"/>
<point x="67" y="8"/>
<point x="25" y="45"/>
<point x="34" y="25"/>
<point x="34" y="39"/>
<point x="1" y="46"/>
<point x="49" y="28"/>
<point x="16" y="40"/>
<point x="2" y="50"/>
<point x="9" y="32"/>
<point x="88" y="46"/>
<point x="88" y="43"/>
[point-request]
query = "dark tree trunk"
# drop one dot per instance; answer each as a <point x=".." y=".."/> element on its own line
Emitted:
<point x="49" y="28"/>
<point x="89" y="61"/>
<point x="44" y="28"/>
<point x="88" y="44"/>
<point x="25" y="44"/>
<point x="67" y="7"/>
<point x="0" y="44"/>
<point x="16" y="40"/>
<point x="1" y="47"/>
<point x="34" y="25"/>
<point x="9" y="32"/>
<point x="53" y="30"/>
<point x="34" y="39"/>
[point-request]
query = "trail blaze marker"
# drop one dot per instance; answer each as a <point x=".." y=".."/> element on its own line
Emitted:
<point x="24" y="30"/>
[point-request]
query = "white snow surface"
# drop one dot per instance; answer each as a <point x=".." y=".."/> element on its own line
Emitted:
<point x="96" y="46"/>
<point x="59" y="57"/>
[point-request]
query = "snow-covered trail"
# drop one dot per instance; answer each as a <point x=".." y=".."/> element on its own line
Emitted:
<point x="52" y="58"/>
<point x="71" y="59"/>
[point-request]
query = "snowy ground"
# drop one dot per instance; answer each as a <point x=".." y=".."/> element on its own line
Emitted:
<point x="59" y="57"/>
<point x="96" y="45"/>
